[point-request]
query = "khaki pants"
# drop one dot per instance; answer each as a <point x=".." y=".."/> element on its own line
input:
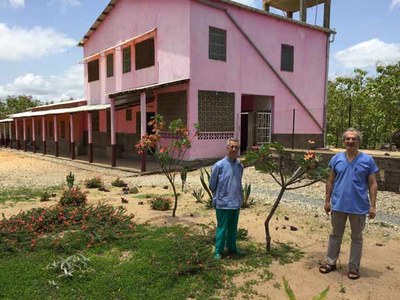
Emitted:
<point x="357" y="224"/>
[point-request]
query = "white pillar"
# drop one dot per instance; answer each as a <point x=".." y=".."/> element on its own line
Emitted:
<point x="71" y="122"/>
<point x="142" y="114"/>
<point x="112" y="120"/>
<point x="33" y="130"/>
<point x="55" y="126"/>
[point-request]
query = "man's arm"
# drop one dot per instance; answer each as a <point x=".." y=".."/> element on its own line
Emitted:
<point x="328" y="191"/>
<point x="213" y="179"/>
<point x="373" y="190"/>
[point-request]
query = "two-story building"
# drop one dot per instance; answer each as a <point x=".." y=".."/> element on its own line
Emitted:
<point x="237" y="71"/>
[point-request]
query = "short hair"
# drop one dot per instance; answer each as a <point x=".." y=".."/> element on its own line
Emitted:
<point x="352" y="129"/>
<point x="232" y="140"/>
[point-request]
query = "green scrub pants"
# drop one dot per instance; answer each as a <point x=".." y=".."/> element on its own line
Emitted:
<point x="227" y="221"/>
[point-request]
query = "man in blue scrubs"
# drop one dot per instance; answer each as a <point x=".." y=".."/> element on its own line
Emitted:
<point x="226" y="185"/>
<point x="351" y="179"/>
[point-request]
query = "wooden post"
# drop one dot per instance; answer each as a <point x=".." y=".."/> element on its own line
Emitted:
<point x="327" y="14"/>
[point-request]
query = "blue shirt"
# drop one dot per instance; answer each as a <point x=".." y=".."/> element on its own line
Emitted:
<point x="226" y="184"/>
<point x="350" y="188"/>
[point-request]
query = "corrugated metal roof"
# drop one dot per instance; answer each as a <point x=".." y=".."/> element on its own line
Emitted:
<point x="60" y="111"/>
<point x="60" y="103"/>
<point x="148" y="87"/>
<point x="6" y="120"/>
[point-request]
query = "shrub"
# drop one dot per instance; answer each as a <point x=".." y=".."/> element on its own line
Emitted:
<point x="45" y="197"/>
<point x="73" y="197"/>
<point x="118" y="182"/>
<point x="247" y="201"/>
<point x="80" y="227"/>
<point x="160" y="203"/>
<point x="198" y="195"/>
<point x="94" y="183"/>
<point x="134" y="190"/>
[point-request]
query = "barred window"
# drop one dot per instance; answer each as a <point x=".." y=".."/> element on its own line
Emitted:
<point x="110" y="65"/>
<point x="93" y="70"/>
<point x="144" y="54"/>
<point x="287" y="58"/>
<point x="126" y="59"/>
<point x="217" y="44"/>
<point x="216" y="111"/>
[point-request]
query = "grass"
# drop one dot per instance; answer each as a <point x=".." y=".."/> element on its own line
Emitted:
<point x="24" y="193"/>
<point x="175" y="262"/>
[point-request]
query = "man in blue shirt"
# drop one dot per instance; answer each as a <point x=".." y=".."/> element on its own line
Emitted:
<point x="226" y="185"/>
<point x="352" y="176"/>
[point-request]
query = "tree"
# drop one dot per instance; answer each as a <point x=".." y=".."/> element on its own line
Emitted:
<point x="288" y="173"/>
<point x="16" y="104"/>
<point x="170" y="155"/>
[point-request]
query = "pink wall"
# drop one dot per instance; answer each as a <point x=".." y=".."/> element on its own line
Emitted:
<point x="245" y="72"/>
<point x="171" y="20"/>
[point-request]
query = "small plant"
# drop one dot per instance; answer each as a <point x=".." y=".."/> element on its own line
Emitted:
<point x="70" y="180"/>
<point x="69" y="265"/>
<point x="118" y="182"/>
<point x="183" y="172"/>
<point x="160" y="203"/>
<point x="45" y="197"/>
<point x="289" y="292"/>
<point x="73" y="197"/>
<point x="198" y="195"/>
<point x="247" y="201"/>
<point x="134" y="190"/>
<point x="94" y="183"/>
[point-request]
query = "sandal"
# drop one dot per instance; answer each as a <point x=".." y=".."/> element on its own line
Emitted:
<point x="353" y="274"/>
<point x="326" y="268"/>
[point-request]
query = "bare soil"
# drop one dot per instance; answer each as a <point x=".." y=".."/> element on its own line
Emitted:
<point x="380" y="270"/>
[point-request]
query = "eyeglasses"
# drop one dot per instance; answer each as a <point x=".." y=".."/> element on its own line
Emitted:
<point x="234" y="147"/>
<point x="351" y="139"/>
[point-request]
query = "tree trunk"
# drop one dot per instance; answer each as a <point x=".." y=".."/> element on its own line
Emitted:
<point x="270" y="215"/>
<point x="176" y="199"/>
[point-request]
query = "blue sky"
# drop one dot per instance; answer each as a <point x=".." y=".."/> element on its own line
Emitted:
<point x="39" y="56"/>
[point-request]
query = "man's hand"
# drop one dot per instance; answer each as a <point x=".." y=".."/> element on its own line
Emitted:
<point x="327" y="207"/>
<point x="372" y="213"/>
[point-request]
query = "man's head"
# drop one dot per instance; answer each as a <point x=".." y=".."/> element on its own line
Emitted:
<point x="351" y="139"/>
<point x="232" y="146"/>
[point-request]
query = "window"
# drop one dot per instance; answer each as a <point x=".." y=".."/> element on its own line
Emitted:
<point x="110" y="65"/>
<point x="62" y="129"/>
<point x="128" y="114"/>
<point x="287" y="58"/>
<point x="126" y="59"/>
<point x="172" y="106"/>
<point x="217" y="44"/>
<point x="93" y="70"/>
<point x="144" y="54"/>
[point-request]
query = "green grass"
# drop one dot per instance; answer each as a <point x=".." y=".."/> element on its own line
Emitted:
<point x="164" y="263"/>
<point x="24" y="193"/>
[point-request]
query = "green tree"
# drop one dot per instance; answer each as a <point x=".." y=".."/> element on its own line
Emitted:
<point x="16" y="104"/>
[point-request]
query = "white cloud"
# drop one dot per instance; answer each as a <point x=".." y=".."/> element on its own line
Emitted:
<point x="12" y="3"/>
<point x="50" y="88"/>
<point x="65" y="3"/>
<point x="394" y="4"/>
<point x="367" y="54"/>
<point x="18" y="43"/>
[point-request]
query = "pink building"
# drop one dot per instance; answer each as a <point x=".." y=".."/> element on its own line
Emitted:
<point x="237" y="71"/>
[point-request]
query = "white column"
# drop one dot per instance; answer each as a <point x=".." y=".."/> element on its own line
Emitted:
<point x="112" y="120"/>
<point x="90" y="128"/>
<point x="55" y="126"/>
<point x="33" y="130"/>
<point x="43" y="129"/>
<point x="71" y="122"/>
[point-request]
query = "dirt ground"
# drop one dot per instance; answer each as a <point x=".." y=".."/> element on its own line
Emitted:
<point x="380" y="270"/>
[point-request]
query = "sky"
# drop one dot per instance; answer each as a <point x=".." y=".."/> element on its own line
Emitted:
<point x="39" y="55"/>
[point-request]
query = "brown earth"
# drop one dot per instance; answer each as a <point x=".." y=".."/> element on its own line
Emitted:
<point x="380" y="271"/>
